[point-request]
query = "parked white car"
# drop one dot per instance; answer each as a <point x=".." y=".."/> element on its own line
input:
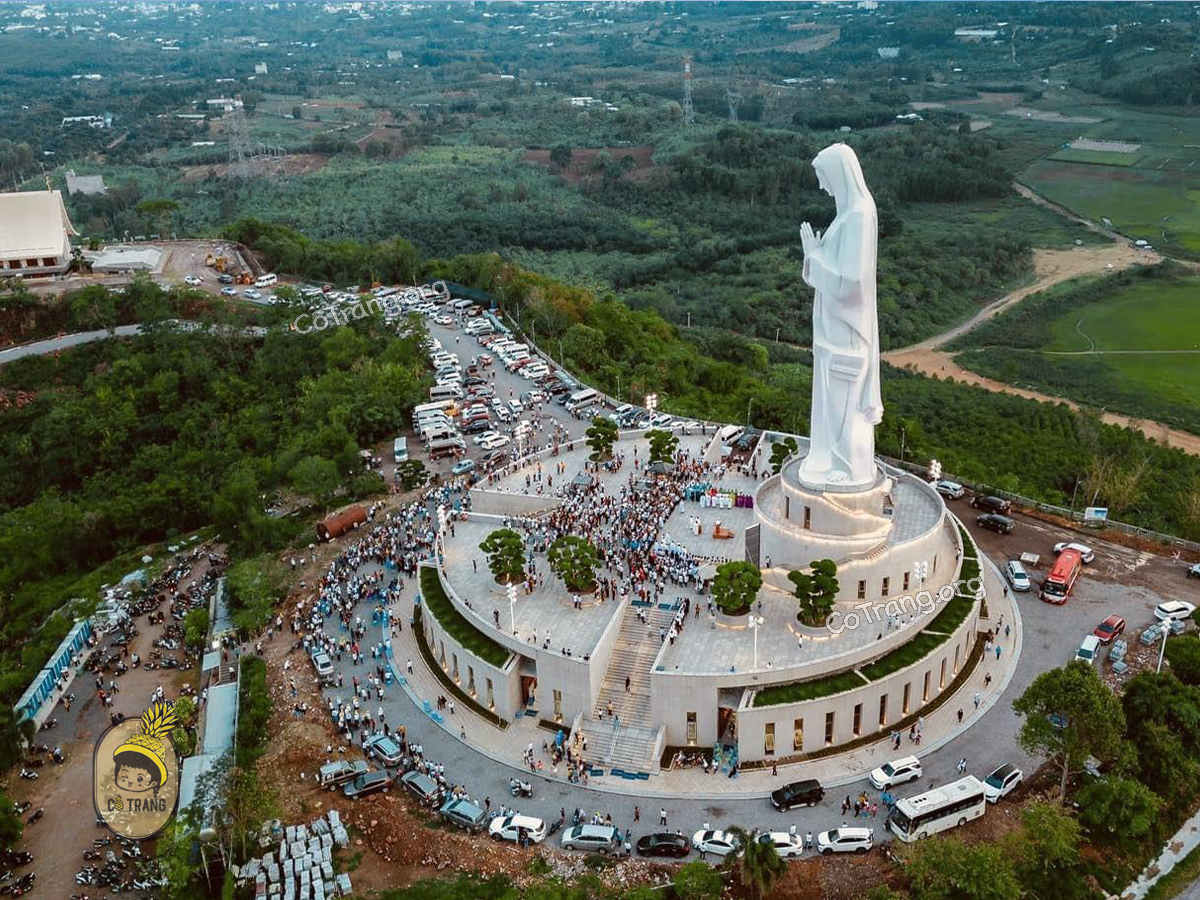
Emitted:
<point x="1173" y="609"/>
<point x="252" y="294"/>
<point x="718" y="843"/>
<point x="494" y="441"/>
<point x="786" y="845"/>
<point x="1002" y="782"/>
<point x="1017" y="576"/>
<point x="898" y="771"/>
<point x="513" y="828"/>
<point x="949" y="489"/>
<point x="845" y="840"/>
<point x="193" y="280"/>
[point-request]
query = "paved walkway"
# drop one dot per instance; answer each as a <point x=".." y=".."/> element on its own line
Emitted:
<point x="508" y="745"/>
<point x="1186" y="839"/>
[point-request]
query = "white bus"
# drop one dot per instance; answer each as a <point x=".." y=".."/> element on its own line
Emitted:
<point x="954" y="804"/>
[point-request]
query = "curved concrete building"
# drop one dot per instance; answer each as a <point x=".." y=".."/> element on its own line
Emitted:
<point x="782" y="691"/>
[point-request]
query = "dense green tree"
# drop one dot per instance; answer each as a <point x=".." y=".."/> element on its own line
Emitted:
<point x="948" y="869"/>
<point x="816" y="590"/>
<point x="411" y="474"/>
<point x="574" y="560"/>
<point x="255" y="585"/>
<point x="1045" y="851"/>
<point x="1117" y="809"/>
<point x="781" y="450"/>
<point x="662" y="445"/>
<point x="601" y="435"/>
<point x="697" y="880"/>
<point x="758" y="866"/>
<point x="1162" y="699"/>
<point x="195" y="627"/>
<point x="560" y="155"/>
<point x="1183" y="652"/>
<point x="505" y="551"/>
<point x="736" y="585"/>
<point x="254" y="712"/>
<point x="1069" y="715"/>
<point x="11" y="826"/>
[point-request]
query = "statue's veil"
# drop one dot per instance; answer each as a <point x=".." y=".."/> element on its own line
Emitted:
<point x="839" y="161"/>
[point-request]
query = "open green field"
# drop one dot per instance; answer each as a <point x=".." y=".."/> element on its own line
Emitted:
<point x="1091" y="353"/>
<point x="1147" y="316"/>
<point x="1152" y="194"/>
<point x="1158" y="205"/>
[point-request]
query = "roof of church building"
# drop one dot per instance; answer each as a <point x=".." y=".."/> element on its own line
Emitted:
<point x="33" y="224"/>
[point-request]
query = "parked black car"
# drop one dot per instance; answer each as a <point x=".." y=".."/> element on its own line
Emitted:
<point x="995" y="522"/>
<point x="991" y="504"/>
<point x="799" y="793"/>
<point x="664" y="844"/>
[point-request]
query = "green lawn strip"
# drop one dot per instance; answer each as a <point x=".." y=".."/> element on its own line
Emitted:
<point x="902" y="725"/>
<point x="455" y="624"/>
<point x="448" y="682"/>
<point x="902" y="657"/>
<point x="796" y="691"/>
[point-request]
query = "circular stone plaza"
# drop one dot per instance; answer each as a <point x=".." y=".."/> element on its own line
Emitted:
<point x="647" y="670"/>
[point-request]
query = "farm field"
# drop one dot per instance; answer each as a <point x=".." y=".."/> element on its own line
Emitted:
<point x="1157" y="205"/>
<point x="1136" y="351"/>
<point x="1143" y="317"/>
<point x="1150" y="193"/>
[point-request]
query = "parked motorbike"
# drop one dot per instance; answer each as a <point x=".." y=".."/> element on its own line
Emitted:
<point x="41" y="811"/>
<point x="49" y="723"/>
<point x="21" y="808"/>
<point x="29" y="774"/>
<point x="519" y="788"/>
<point x="35" y="763"/>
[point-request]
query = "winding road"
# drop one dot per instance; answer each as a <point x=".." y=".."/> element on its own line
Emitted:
<point x="1051" y="267"/>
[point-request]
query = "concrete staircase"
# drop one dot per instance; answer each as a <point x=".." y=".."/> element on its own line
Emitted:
<point x="633" y="744"/>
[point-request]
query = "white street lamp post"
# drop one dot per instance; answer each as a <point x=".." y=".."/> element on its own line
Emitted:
<point x="1162" y="651"/>
<point x="512" y="607"/>
<point x="755" y="623"/>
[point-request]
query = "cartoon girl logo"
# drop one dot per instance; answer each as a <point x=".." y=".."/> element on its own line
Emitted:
<point x="141" y="762"/>
<point x="136" y="773"/>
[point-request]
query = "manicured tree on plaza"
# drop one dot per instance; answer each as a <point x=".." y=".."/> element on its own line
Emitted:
<point x="780" y="451"/>
<point x="662" y="445"/>
<point x="574" y="560"/>
<point x="817" y="591"/>
<point x="735" y="586"/>
<point x="411" y="474"/>
<point x="1070" y="714"/>
<point x="757" y="865"/>
<point x="505" y="552"/>
<point x="601" y="435"/>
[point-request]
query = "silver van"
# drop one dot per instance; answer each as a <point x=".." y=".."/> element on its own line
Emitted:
<point x="602" y="839"/>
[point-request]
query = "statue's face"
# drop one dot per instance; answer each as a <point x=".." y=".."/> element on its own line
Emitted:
<point x="822" y="179"/>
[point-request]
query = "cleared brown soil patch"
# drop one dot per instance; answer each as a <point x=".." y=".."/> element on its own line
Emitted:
<point x="580" y="168"/>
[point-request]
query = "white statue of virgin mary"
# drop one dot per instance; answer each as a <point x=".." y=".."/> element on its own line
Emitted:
<point x="840" y="266"/>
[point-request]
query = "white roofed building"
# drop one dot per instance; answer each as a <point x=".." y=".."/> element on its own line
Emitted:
<point x="35" y="235"/>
